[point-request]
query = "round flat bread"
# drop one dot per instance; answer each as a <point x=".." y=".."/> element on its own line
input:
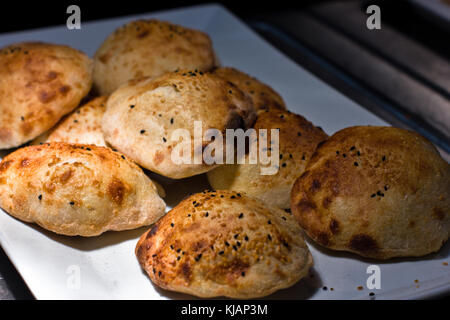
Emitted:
<point x="263" y="96"/>
<point x="144" y="117"/>
<point x="298" y="139"/>
<point x="76" y="189"/>
<point x="224" y="243"/>
<point x="39" y="84"/>
<point x="380" y="192"/>
<point x="149" y="48"/>
<point x="82" y="126"/>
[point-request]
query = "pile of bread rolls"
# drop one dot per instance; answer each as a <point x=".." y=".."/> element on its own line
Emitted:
<point x="91" y="126"/>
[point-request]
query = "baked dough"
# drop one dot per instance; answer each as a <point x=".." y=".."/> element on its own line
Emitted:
<point x="74" y="189"/>
<point x="39" y="83"/>
<point x="380" y="192"/>
<point x="298" y="139"/>
<point x="263" y="96"/>
<point x="224" y="244"/>
<point x="83" y="125"/>
<point x="149" y="48"/>
<point x="143" y="115"/>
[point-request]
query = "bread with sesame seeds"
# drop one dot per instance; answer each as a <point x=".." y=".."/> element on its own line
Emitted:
<point x="75" y="189"/>
<point x="143" y="118"/>
<point x="298" y="139"/>
<point x="380" y="192"/>
<point x="149" y="48"/>
<point x="83" y="125"/>
<point x="39" y="84"/>
<point x="224" y="243"/>
<point x="263" y="96"/>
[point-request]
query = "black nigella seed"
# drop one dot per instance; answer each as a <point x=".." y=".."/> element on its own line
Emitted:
<point x="243" y="274"/>
<point x="284" y="164"/>
<point x="172" y="225"/>
<point x="269" y="222"/>
<point x="164" y="139"/>
<point x="171" y="120"/>
<point x="142" y="131"/>
<point x="71" y="203"/>
<point x="123" y="157"/>
<point x="221" y="252"/>
<point x="40" y="197"/>
<point x="227" y="244"/>
<point x="238" y="243"/>
<point x="246" y="238"/>
<point x="290" y="155"/>
<point x="373" y="195"/>
<point x="178" y="258"/>
<point x="337" y="152"/>
<point x="282" y="116"/>
<point x="269" y="237"/>
<point x="344" y="155"/>
<point x="235" y="248"/>
<point x="358" y="153"/>
<point x="356" y="164"/>
<point x="198" y="257"/>
<point x="154" y="255"/>
<point x="229" y="91"/>
<point x="303" y="157"/>
<point x="132" y="106"/>
<point x="281" y="156"/>
<point x="325" y="288"/>
<point x="284" y="218"/>
<point x="385" y="188"/>
<point x="241" y="216"/>
<point x="233" y="197"/>
<point x="236" y="235"/>
<point x="206" y="214"/>
<point x="299" y="134"/>
<point x="75" y="120"/>
<point x="22" y="118"/>
<point x="352" y="148"/>
<point x="178" y="250"/>
<point x="159" y="273"/>
<point x="384" y="158"/>
<point x="371" y="294"/>
<point x="238" y="194"/>
<point x="171" y="246"/>
<point x="88" y="149"/>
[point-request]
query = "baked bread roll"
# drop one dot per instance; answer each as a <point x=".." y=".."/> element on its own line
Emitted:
<point x="224" y="244"/>
<point x="298" y="139"/>
<point x="263" y="96"/>
<point x="380" y="192"/>
<point x="39" y="83"/>
<point x="77" y="189"/>
<point x="143" y="116"/>
<point x="83" y="125"/>
<point x="149" y="48"/>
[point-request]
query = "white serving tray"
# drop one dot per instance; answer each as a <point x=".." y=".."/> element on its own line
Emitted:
<point x="107" y="265"/>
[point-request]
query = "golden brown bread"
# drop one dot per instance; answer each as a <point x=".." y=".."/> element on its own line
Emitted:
<point x="83" y="125"/>
<point x="77" y="189"/>
<point x="142" y="116"/>
<point x="298" y="139"/>
<point x="149" y="48"/>
<point x="380" y="192"/>
<point x="39" y="83"/>
<point x="224" y="244"/>
<point x="263" y="96"/>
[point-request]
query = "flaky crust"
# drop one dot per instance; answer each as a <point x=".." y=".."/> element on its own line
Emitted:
<point x="263" y="96"/>
<point x="380" y="192"/>
<point x="149" y="48"/>
<point x="298" y="139"/>
<point x="39" y="83"/>
<point x="143" y="114"/>
<point x="224" y="244"/>
<point x="77" y="189"/>
<point x="83" y="125"/>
